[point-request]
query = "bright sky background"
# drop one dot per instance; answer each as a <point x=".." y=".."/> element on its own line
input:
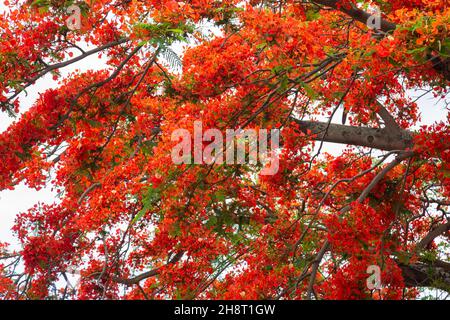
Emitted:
<point x="22" y="198"/>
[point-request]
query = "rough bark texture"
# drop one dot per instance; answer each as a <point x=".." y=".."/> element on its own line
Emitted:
<point x="357" y="14"/>
<point x="426" y="275"/>
<point x="377" y="138"/>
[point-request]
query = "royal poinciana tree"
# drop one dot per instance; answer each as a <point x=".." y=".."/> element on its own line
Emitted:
<point x="128" y="223"/>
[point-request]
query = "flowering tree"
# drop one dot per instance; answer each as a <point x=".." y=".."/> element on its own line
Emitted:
<point x="132" y="224"/>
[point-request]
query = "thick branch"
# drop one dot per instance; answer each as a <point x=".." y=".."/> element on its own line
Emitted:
<point x="357" y="14"/>
<point x="388" y="119"/>
<point x="426" y="275"/>
<point x="148" y="274"/>
<point x="315" y="268"/>
<point x="432" y="235"/>
<point x="381" y="139"/>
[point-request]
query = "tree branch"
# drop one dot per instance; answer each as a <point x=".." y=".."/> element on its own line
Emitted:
<point x="436" y="232"/>
<point x="388" y="119"/>
<point x="382" y="139"/>
<point x="426" y="275"/>
<point x="148" y="274"/>
<point x="63" y="64"/>
<point x="440" y="65"/>
<point x="357" y="14"/>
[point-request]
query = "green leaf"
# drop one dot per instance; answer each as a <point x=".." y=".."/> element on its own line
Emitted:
<point x="94" y="123"/>
<point x="176" y="30"/>
<point x="417" y="50"/>
<point x="277" y="69"/>
<point x="148" y="202"/>
<point x="310" y="91"/>
<point x="212" y="221"/>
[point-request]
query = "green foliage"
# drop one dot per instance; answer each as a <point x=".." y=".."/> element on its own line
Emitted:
<point x="172" y="58"/>
<point x="165" y="33"/>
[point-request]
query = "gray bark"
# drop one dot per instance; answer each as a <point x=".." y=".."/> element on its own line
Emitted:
<point x="377" y="138"/>
<point x="435" y="275"/>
